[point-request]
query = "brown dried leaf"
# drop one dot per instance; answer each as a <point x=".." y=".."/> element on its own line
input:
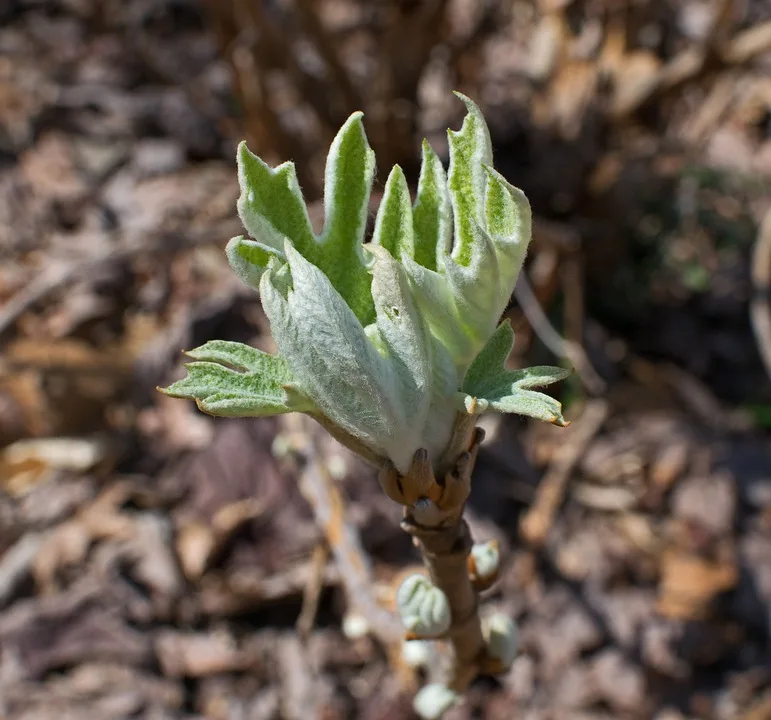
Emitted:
<point x="28" y="463"/>
<point x="198" y="543"/>
<point x="689" y="584"/>
<point x="68" y="544"/>
<point x="50" y="168"/>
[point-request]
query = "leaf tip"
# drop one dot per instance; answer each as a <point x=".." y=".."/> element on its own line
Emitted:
<point x="428" y="151"/>
<point x="471" y="106"/>
<point x="242" y="148"/>
<point x="465" y="98"/>
<point x="354" y="123"/>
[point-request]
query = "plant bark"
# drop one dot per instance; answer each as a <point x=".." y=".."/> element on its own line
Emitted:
<point x="433" y="515"/>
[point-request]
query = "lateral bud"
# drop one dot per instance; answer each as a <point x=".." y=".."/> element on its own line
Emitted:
<point x="484" y="562"/>
<point x="423" y="607"/>
<point x="433" y="700"/>
<point x="501" y="639"/>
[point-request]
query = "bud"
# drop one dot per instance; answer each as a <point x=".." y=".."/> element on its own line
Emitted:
<point x="423" y="607"/>
<point x="484" y="563"/>
<point x="433" y="700"/>
<point x="385" y="342"/>
<point x="501" y="637"/>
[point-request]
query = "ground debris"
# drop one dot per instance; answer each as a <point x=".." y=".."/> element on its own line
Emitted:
<point x="154" y="562"/>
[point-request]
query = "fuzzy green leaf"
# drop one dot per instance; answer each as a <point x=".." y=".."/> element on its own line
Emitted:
<point x="376" y="338"/>
<point x="271" y="204"/>
<point x="424" y="375"/>
<point x="491" y="234"/>
<point x="470" y="150"/>
<point x="394" y="287"/>
<point x="393" y="225"/>
<point x="403" y="333"/>
<point x="234" y="380"/>
<point x="491" y="361"/>
<point x="243" y="358"/>
<point x="347" y="185"/>
<point x="475" y="286"/>
<point x="489" y="385"/>
<point x="433" y="296"/>
<point x="335" y="363"/>
<point x="463" y="299"/>
<point x="272" y="210"/>
<point x="432" y="212"/>
<point x="509" y="225"/>
<point x="249" y="258"/>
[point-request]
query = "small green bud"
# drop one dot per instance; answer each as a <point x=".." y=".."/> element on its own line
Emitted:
<point x="423" y="607"/>
<point x="433" y="700"/>
<point x="501" y="637"/>
<point x="484" y="563"/>
<point x="416" y="653"/>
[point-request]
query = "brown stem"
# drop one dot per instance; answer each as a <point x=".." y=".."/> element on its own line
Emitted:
<point x="445" y="553"/>
<point x="434" y="517"/>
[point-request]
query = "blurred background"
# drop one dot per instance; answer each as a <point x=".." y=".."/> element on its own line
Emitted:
<point x="157" y="563"/>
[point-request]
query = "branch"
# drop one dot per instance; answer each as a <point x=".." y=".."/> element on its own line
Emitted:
<point x="433" y="515"/>
<point x="321" y="492"/>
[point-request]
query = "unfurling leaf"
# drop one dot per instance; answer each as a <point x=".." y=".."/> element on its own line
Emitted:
<point x="329" y="353"/>
<point x="432" y="212"/>
<point x="383" y="343"/>
<point x="393" y="226"/>
<point x="272" y="210"/>
<point x="234" y="380"/>
<point x="489" y="385"/>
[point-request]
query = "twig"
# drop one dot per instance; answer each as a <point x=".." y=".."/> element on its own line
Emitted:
<point x="553" y="340"/>
<point x="539" y="519"/>
<point x="312" y="592"/>
<point x="300" y="696"/>
<point x="433" y="515"/>
<point x="721" y="98"/>
<point x="748" y="44"/>
<point x="320" y="490"/>
<point x="760" y="305"/>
